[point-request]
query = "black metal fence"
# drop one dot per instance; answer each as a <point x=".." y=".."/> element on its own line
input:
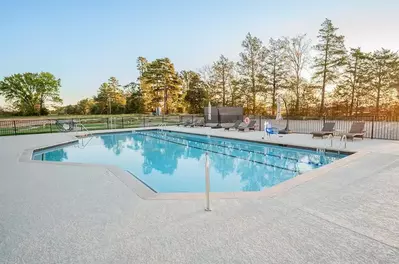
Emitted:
<point x="382" y="127"/>
<point x="38" y="126"/>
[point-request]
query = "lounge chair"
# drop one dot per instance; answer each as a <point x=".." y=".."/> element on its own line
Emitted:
<point x="66" y="125"/>
<point x="198" y="122"/>
<point x="328" y="129"/>
<point x="217" y="126"/>
<point x="185" y="123"/>
<point x="210" y="124"/>
<point x="250" y="126"/>
<point x="357" y="130"/>
<point x="235" y="126"/>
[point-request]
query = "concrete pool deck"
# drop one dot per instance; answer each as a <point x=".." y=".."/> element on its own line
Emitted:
<point x="52" y="213"/>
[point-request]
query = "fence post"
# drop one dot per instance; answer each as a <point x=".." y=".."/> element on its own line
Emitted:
<point x="192" y="118"/>
<point x="107" y="122"/>
<point x="80" y="121"/>
<point x="260" y="123"/>
<point x="144" y="120"/>
<point x="324" y="120"/>
<point x="15" y="128"/>
<point x="122" y="123"/>
<point x="163" y="118"/>
<point x="51" y="129"/>
<point x="372" y="127"/>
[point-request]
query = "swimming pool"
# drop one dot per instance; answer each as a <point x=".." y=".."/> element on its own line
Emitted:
<point x="169" y="161"/>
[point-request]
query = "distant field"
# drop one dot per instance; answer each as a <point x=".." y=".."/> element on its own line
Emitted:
<point x="70" y="116"/>
<point x="48" y="124"/>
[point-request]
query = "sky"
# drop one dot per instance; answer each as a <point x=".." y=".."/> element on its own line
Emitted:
<point x="84" y="42"/>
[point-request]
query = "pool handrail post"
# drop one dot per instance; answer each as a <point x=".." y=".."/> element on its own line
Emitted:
<point x="331" y="138"/>
<point x="343" y="139"/>
<point x="372" y="127"/>
<point x="15" y="128"/>
<point x="207" y="184"/>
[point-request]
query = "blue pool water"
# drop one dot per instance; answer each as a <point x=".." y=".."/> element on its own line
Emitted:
<point x="175" y="162"/>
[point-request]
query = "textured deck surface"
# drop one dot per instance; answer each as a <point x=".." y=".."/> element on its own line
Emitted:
<point x="56" y="213"/>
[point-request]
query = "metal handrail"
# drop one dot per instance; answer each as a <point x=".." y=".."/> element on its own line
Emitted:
<point x="343" y="138"/>
<point x="85" y="144"/>
<point x="322" y="150"/>
<point x="162" y="125"/>
<point x="88" y="132"/>
<point x="331" y="138"/>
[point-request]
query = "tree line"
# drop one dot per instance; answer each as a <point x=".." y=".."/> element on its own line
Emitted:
<point x="326" y="78"/>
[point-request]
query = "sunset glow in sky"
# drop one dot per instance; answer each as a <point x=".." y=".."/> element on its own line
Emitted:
<point x="86" y="42"/>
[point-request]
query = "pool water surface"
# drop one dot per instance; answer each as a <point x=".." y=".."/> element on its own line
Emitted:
<point x="175" y="162"/>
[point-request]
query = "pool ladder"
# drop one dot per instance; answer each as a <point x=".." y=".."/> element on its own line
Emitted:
<point x="325" y="142"/>
<point x="344" y="141"/>
<point x="331" y="139"/>
<point x="162" y="127"/>
<point x="82" y="127"/>
<point x="88" y="134"/>
<point x="342" y="144"/>
<point x="82" y="145"/>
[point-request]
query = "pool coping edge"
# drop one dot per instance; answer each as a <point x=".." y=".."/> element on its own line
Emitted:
<point x="147" y="193"/>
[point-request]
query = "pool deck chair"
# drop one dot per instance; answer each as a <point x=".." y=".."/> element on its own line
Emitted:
<point x="235" y="126"/>
<point x="328" y="129"/>
<point x="198" y="123"/>
<point x="65" y="125"/>
<point x="356" y="131"/>
<point x="249" y="127"/>
<point x="185" y="123"/>
<point x="218" y="126"/>
<point x="188" y="124"/>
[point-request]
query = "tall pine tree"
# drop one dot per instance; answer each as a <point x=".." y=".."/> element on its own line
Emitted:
<point x="251" y="67"/>
<point x="352" y="86"/>
<point x="195" y="95"/>
<point x="297" y="52"/>
<point x="222" y="72"/>
<point x="383" y="73"/>
<point x="165" y="84"/>
<point x="110" y="97"/>
<point x="145" y="87"/>
<point x="330" y="57"/>
<point x="276" y="68"/>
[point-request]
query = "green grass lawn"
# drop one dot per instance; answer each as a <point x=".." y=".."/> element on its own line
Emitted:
<point x="84" y="116"/>
<point x="37" y="125"/>
<point x="65" y="116"/>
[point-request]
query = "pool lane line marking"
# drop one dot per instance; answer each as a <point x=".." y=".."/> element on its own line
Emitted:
<point x="289" y="148"/>
<point x="255" y="161"/>
<point x="247" y="150"/>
